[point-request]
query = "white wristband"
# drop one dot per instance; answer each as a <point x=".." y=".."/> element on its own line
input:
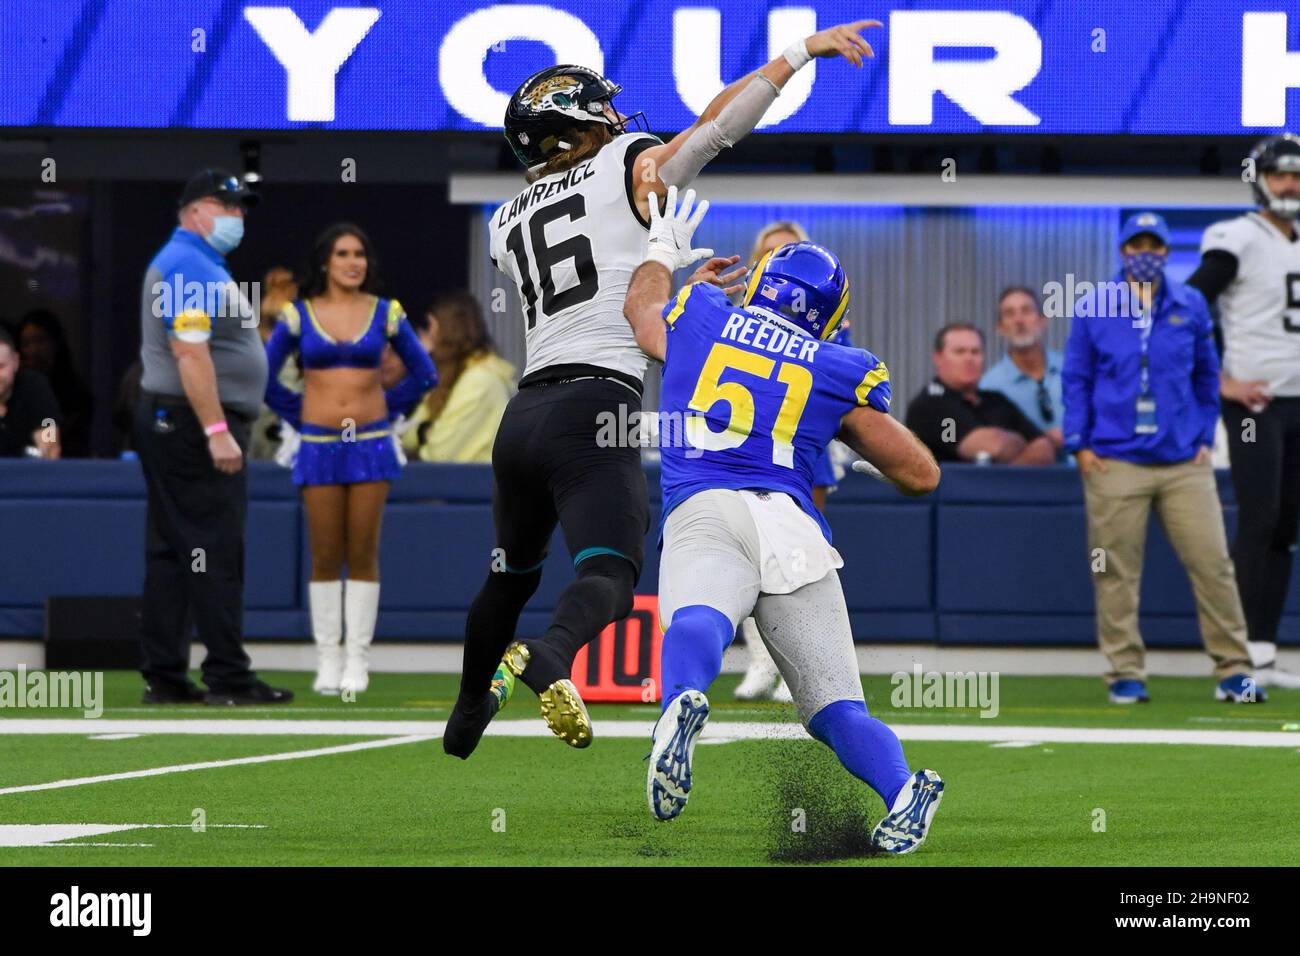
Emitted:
<point x="664" y="257"/>
<point x="797" y="55"/>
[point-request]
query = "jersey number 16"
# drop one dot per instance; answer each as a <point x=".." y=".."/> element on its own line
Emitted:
<point x="577" y="248"/>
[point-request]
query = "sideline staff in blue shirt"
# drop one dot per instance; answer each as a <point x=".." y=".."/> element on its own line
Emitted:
<point x="1141" y="386"/>
<point x="1142" y="389"/>
<point x="204" y="375"/>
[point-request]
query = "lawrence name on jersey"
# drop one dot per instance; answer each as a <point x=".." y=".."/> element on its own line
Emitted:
<point x="758" y="392"/>
<point x="570" y="242"/>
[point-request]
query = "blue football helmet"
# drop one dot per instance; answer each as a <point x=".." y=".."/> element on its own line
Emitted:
<point x="803" y="284"/>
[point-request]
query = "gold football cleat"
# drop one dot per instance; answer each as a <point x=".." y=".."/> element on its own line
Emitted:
<point x="562" y="707"/>
<point x="516" y="658"/>
<point x="566" y="714"/>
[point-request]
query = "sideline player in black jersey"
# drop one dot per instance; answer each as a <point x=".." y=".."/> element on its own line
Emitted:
<point x="1250" y="269"/>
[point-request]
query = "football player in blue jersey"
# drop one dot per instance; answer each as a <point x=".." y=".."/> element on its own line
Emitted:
<point x="762" y="679"/>
<point x="750" y="398"/>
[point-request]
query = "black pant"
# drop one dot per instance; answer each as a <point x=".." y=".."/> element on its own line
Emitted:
<point x="560" y="455"/>
<point x="1265" y="454"/>
<point x="194" y="548"/>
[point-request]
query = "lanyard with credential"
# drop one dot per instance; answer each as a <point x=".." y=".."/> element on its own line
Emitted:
<point x="1146" y="404"/>
<point x="1144" y="347"/>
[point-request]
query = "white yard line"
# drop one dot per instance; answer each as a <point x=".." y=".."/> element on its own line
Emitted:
<point x="213" y="764"/>
<point x="51" y="834"/>
<point x="977" y="732"/>
<point x="395" y="733"/>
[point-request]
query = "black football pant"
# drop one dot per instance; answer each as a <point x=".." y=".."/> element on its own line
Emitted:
<point x="194" y="548"/>
<point x="1265" y="453"/>
<point x="550" y="468"/>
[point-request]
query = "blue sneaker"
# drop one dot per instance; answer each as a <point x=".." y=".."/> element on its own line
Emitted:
<point x="668" y="783"/>
<point x="1240" y="689"/>
<point x="1129" y="691"/>
<point x="907" y="824"/>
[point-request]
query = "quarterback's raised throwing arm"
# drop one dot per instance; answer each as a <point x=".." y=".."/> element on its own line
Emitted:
<point x="735" y="111"/>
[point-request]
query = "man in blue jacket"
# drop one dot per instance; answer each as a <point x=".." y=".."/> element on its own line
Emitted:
<point x="1141" y="392"/>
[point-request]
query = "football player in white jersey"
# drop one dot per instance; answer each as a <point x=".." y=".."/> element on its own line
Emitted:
<point x="1250" y="268"/>
<point x="570" y="242"/>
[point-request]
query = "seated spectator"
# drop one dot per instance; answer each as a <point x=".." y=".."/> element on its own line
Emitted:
<point x="128" y="393"/>
<point x="458" y="420"/>
<point x="1030" y="373"/>
<point x="27" y="403"/>
<point x="961" y="422"/>
<point x="279" y="288"/>
<point x="45" y="349"/>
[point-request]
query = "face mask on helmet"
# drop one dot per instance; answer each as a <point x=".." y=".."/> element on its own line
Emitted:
<point x="1284" y="207"/>
<point x="1273" y="155"/>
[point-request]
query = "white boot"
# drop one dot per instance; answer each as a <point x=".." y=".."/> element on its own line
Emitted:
<point x="326" y="600"/>
<point x="761" y="678"/>
<point x="360" y="608"/>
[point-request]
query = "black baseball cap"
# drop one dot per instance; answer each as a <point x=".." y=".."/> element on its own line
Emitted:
<point x="219" y="184"/>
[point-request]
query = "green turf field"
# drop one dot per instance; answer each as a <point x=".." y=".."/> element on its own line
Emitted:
<point x="353" y="789"/>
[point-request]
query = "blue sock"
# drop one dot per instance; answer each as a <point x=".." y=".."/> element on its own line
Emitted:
<point x="692" y="650"/>
<point x="867" y="747"/>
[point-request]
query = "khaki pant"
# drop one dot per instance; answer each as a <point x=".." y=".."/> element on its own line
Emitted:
<point x="1187" y="503"/>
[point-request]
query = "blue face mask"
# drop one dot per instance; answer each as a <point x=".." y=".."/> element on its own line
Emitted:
<point x="227" y="231"/>
<point x="1145" y="266"/>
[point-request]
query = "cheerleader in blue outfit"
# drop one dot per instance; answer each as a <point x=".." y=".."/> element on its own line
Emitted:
<point x="347" y="456"/>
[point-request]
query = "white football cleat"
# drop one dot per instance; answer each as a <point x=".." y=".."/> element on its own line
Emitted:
<point x="668" y="780"/>
<point x="1263" y="655"/>
<point x="755" y="686"/>
<point x="782" y="693"/>
<point x="762" y="674"/>
<point x="907" y="824"/>
<point x="1273" y="676"/>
